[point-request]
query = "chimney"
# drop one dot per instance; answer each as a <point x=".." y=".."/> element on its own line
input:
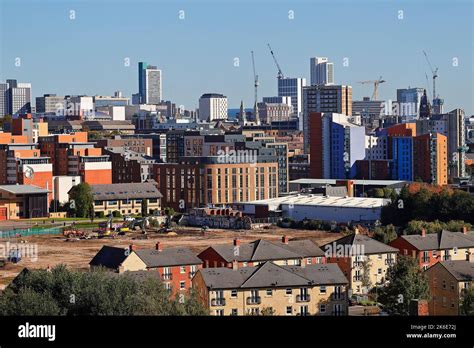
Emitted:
<point x="284" y="239"/>
<point x="423" y="232"/>
<point x="236" y="242"/>
<point x="158" y="246"/>
<point x="235" y="265"/>
<point x="464" y="229"/>
<point x="132" y="247"/>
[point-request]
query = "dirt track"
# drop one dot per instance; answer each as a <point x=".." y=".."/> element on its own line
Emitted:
<point x="53" y="249"/>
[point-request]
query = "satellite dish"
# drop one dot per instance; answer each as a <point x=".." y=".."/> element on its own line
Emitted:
<point x="29" y="172"/>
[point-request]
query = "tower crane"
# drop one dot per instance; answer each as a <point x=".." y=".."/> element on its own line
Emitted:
<point x="434" y="73"/>
<point x="280" y="73"/>
<point x="376" y="86"/>
<point x="256" y="83"/>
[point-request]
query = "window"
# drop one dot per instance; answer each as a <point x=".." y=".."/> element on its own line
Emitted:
<point x="182" y="285"/>
<point x="309" y="260"/>
<point x="182" y="269"/>
<point x="245" y="264"/>
<point x="234" y="311"/>
<point x="269" y="292"/>
<point x="455" y="250"/>
<point x="168" y="286"/>
<point x="444" y="284"/>
<point x="322" y="289"/>
<point x="379" y="256"/>
<point x="289" y="291"/>
<point x="322" y="308"/>
<point x="233" y="294"/>
<point x="379" y="271"/>
<point x="219" y="312"/>
<point x="289" y="310"/>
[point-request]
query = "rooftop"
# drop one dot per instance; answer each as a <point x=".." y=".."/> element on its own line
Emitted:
<point x="355" y="181"/>
<point x="370" y="245"/>
<point x="270" y="275"/>
<point x="23" y="189"/>
<point x="168" y="257"/>
<point x="462" y="270"/>
<point x="125" y="191"/>
<point x="315" y="200"/>
<point x="441" y="240"/>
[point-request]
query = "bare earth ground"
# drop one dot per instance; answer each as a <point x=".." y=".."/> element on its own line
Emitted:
<point x="53" y="249"/>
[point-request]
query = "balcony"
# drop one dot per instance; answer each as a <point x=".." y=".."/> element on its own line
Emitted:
<point x="389" y="262"/>
<point x="218" y="302"/>
<point x="357" y="278"/>
<point x="337" y="297"/>
<point x="303" y="298"/>
<point x="166" y="276"/>
<point x="254" y="300"/>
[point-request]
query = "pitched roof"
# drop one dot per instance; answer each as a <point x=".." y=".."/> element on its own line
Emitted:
<point x="269" y="274"/>
<point x="370" y="245"/>
<point x="462" y="270"/>
<point x="262" y="250"/>
<point x="125" y="191"/>
<point x="109" y="257"/>
<point x="168" y="257"/>
<point x="441" y="240"/>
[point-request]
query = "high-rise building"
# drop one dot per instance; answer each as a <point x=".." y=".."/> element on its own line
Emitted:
<point x="431" y="154"/>
<point x="212" y="106"/>
<point x="335" y="146"/>
<point x="332" y="99"/>
<point x="50" y="104"/>
<point x="149" y="84"/>
<point x="322" y="72"/>
<point x="18" y="97"/>
<point x="293" y="87"/>
<point x="3" y="99"/>
<point x="408" y="101"/>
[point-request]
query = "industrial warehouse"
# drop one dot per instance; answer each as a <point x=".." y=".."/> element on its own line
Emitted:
<point x="324" y="208"/>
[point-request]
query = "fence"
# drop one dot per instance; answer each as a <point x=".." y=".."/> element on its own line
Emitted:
<point x="30" y="232"/>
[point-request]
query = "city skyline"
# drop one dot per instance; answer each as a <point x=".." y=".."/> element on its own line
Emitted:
<point x="101" y="43"/>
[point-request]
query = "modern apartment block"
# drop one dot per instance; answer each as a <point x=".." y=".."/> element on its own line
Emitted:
<point x="18" y="97"/>
<point x="354" y="251"/>
<point x="135" y="143"/>
<point x="29" y="127"/>
<point x="279" y="290"/>
<point x="212" y="106"/>
<point x="51" y="104"/>
<point x="430" y="248"/>
<point x="322" y="71"/>
<point x="335" y="145"/>
<point x="325" y="99"/>
<point x="284" y="253"/>
<point x="198" y="181"/>
<point x="72" y="154"/>
<point x="449" y="281"/>
<point x="430" y="153"/>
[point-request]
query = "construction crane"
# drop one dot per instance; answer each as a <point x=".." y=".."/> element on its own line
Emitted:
<point x="428" y="84"/>
<point x="376" y="84"/>
<point x="256" y="83"/>
<point x="434" y="73"/>
<point x="280" y="73"/>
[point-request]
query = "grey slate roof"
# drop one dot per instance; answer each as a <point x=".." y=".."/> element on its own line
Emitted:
<point x="109" y="257"/>
<point x="125" y="191"/>
<point x="370" y="245"/>
<point x="23" y="189"/>
<point x="442" y="240"/>
<point x="168" y="257"/>
<point x="462" y="270"/>
<point x="262" y="250"/>
<point x="269" y="274"/>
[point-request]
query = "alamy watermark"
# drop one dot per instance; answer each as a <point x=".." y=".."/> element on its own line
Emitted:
<point x="19" y="250"/>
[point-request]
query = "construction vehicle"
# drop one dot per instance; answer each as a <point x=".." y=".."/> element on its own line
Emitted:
<point x="105" y="228"/>
<point x="376" y="84"/>
<point x="74" y="233"/>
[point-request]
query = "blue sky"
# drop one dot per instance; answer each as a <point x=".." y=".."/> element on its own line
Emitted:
<point x="196" y="54"/>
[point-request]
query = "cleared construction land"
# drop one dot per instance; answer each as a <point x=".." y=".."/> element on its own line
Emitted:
<point x="54" y="249"/>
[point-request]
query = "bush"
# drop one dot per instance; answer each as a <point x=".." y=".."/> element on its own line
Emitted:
<point x="116" y="214"/>
<point x="100" y="214"/>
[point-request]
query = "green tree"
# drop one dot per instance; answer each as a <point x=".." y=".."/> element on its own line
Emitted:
<point x="366" y="265"/>
<point x="385" y="234"/>
<point x="64" y="292"/>
<point x="83" y="200"/>
<point x="406" y="281"/>
<point x="268" y="311"/>
<point x="467" y="304"/>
